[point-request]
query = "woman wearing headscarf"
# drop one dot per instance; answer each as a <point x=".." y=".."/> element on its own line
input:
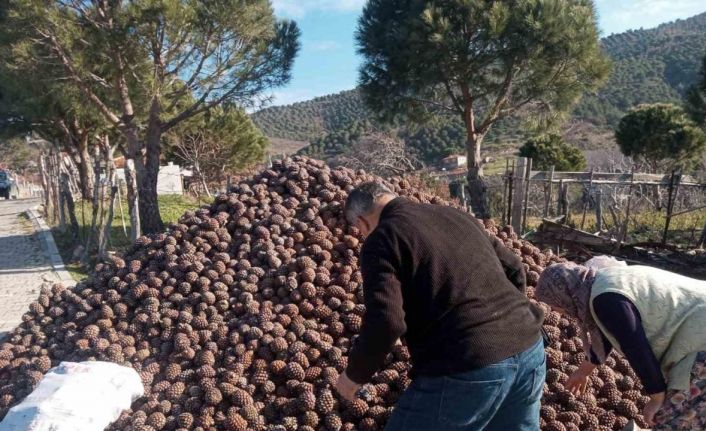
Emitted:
<point x="655" y="318"/>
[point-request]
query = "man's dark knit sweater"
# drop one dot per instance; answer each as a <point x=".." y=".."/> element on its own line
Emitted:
<point x="432" y="275"/>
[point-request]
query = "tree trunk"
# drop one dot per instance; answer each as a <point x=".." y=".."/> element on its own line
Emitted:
<point x="132" y="199"/>
<point x="54" y="184"/>
<point x="120" y="205"/>
<point x="107" y="222"/>
<point x="84" y="166"/>
<point x="62" y="204"/>
<point x="108" y="226"/>
<point x="477" y="187"/>
<point x="199" y="174"/>
<point x="96" y="207"/>
<point x="68" y="199"/>
<point x="150" y="217"/>
<point x="45" y="184"/>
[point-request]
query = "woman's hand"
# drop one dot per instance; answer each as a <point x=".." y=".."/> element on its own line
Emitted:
<point x="578" y="381"/>
<point x="652" y="407"/>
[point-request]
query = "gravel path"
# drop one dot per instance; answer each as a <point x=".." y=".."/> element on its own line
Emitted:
<point x="23" y="264"/>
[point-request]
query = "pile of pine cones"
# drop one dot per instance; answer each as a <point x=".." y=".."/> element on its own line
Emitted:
<point x="241" y="316"/>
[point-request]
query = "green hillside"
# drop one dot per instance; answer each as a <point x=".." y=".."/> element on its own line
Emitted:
<point x="655" y="65"/>
<point x="306" y="121"/>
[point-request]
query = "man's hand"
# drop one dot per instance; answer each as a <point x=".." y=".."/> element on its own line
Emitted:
<point x="346" y="387"/>
<point x="578" y="382"/>
<point x="652" y="407"/>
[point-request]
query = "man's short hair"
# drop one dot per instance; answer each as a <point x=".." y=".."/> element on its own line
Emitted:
<point x="361" y="200"/>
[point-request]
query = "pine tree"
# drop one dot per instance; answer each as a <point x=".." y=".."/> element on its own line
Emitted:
<point x="551" y="150"/>
<point x="482" y="61"/>
<point x="661" y="135"/>
<point x="148" y="65"/>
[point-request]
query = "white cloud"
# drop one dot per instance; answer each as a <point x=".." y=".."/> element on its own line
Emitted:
<point x="322" y="45"/>
<point x="618" y="16"/>
<point x="299" y="8"/>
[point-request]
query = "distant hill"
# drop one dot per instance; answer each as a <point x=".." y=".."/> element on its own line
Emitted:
<point x="306" y="121"/>
<point x="655" y="65"/>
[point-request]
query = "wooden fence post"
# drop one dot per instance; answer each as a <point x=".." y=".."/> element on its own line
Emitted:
<point x="505" y="184"/>
<point x="45" y="184"/>
<point x="120" y="204"/>
<point x="68" y="200"/>
<point x="548" y="189"/>
<point x="132" y="197"/>
<point x="671" y="200"/>
<point x="624" y="235"/>
<point x="599" y="209"/>
<point x="562" y="207"/>
<point x="54" y="186"/>
<point x="97" y="195"/>
<point x="518" y="199"/>
<point x="588" y="199"/>
<point x="111" y="179"/>
<point x="511" y="185"/>
<point x="566" y="202"/>
<point x="528" y="175"/>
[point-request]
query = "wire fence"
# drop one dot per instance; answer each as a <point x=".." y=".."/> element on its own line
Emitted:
<point x="628" y="207"/>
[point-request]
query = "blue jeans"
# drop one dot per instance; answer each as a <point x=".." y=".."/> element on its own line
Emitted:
<point x="504" y="396"/>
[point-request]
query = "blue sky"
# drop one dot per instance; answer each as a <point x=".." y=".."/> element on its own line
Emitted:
<point x="327" y="62"/>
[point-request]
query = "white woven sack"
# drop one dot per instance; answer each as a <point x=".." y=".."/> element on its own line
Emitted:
<point x="84" y="396"/>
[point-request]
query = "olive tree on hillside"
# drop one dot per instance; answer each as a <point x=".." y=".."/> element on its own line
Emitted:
<point x="661" y="135"/>
<point x="482" y="60"/>
<point x="147" y="65"/>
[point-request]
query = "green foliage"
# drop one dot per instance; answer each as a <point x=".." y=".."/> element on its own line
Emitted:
<point x="188" y="55"/>
<point x="551" y="150"/>
<point x="17" y="155"/>
<point x="32" y="99"/>
<point x="148" y="65"/>
<point x="649" y="66"/>
<point x="337" y="142"/>
<point x="429" y="142"/>
<point x="490" y="58"/>
<point x="224" y="140"/>
<point x="307" y="121"/>
<point x="641" y="74"/>
<point x="696" y="98"/>
<point x="661" y="135"/>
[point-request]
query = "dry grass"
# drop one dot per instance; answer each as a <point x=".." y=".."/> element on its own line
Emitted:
<point x="645" y="226"/>
<point x="171" y="208"/>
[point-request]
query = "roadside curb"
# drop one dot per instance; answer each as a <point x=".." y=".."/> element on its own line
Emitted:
<point x="49" y="246"/>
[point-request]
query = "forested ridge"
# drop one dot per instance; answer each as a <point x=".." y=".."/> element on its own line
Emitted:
<point x="649" y="66"/>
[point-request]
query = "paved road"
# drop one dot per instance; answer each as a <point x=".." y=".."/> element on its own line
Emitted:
<point x="23" y="264"/>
